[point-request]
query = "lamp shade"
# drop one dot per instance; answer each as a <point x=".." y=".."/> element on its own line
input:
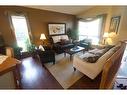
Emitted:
<point x="106" y="35"/>
<point x="42" y="37"/>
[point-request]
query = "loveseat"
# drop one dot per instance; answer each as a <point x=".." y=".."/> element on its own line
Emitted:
<point x="92" y="70"/>
<point x="60" y="43"/>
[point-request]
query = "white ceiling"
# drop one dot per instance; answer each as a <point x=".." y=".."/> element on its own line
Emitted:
<point x="74" y="10"/>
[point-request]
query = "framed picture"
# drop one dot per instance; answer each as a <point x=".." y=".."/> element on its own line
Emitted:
<point x="114" y="24"/>
<point x="57" y="28"/>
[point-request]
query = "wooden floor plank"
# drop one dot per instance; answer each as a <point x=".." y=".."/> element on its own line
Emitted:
<point x="34" y="76"/>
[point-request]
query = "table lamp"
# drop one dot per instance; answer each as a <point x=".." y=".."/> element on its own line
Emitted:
<point x="42" y="37"/>
<point x="105" y="36"/>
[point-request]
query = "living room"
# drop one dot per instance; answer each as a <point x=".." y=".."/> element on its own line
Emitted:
<point x="54" y="37"/>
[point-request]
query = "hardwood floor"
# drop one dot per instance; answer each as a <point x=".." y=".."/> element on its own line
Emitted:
<point x="86" y="83"/>
<point x="34" y="76"/>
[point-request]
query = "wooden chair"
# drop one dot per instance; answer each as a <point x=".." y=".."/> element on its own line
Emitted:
<point x="111" y="67"/>
<point x="16" y="72"/>
<point x="9" y="52"/>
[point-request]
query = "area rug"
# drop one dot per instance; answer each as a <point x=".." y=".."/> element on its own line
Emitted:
<point x="63" y="71"/>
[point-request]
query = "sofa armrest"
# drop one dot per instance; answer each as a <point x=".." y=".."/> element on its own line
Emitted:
<point x="46" y="56"/>
<point x="9" y="52"/>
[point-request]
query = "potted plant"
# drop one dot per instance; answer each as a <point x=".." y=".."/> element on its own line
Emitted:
<point x="72" y="34"/>
<point x="17" y="51"/>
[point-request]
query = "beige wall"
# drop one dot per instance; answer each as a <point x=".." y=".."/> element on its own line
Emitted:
<point x="38" y="21"/>
<point x="110" y="11"/>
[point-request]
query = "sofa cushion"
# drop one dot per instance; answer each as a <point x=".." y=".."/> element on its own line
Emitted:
<point x="64" y="37"/>
<point x="107" y="55"/>
<point x="93" y="55"/>
<point x="64" y="42"/>
<point x="58" y="38"/>
<point x="89" y="57"/>
<point x="97" y="51"/>
<point x="101" y="51"/>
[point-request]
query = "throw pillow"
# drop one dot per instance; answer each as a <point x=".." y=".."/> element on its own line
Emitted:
<point x="56" y="39"/>
<point x="64" y="41"/>
<point x="93" y="59"/>
<point x="87" y="54"/>
<point x="89" y="57"/>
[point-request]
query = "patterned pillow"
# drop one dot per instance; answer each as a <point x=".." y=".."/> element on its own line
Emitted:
<point x="89" y="57"/>
<point x="93" y="59"/>
<point x="93" y="55"/>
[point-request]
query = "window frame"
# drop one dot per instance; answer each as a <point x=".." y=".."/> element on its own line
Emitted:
<point x="102" y="24"/>
<point x="12" y="27"/>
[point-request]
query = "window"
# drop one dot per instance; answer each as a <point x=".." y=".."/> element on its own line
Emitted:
<point x="20" y="27"/>
<point x="90" y="30"/>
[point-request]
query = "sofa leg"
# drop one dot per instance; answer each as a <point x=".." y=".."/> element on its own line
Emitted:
<point x="74" y="68"/>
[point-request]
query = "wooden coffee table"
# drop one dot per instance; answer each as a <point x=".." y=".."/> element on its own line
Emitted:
<point x="73" y="51"/>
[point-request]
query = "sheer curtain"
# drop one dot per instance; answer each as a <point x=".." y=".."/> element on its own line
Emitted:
<point x="90" y="29"/>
